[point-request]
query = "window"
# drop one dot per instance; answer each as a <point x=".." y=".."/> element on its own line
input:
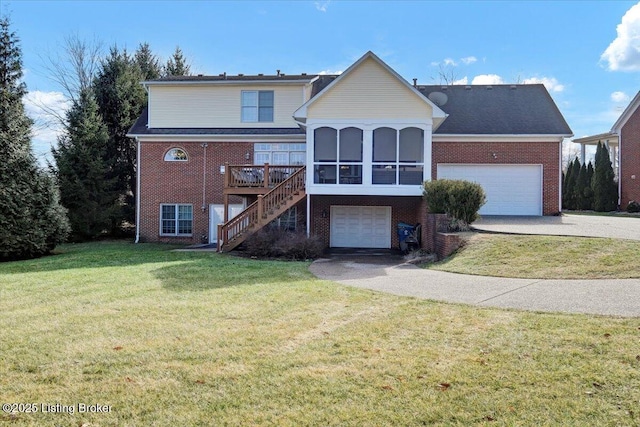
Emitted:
<point x="279" y="154"/>
<point x="176" y="220"/>
<point x="338" y="156"/>
<point x="257" y="106"/>
<point x="176" y="155"/>
<point x="398" y="157"/>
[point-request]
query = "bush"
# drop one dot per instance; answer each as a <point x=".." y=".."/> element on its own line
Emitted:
<point x="460" y="200"/>
<point x="278" y="243"/>
<point x="633" y="207"/>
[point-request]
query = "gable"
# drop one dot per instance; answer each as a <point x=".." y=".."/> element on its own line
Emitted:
<point x="369" y="91"/>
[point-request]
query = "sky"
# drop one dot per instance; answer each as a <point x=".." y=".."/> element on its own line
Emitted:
<point x="586" y="53"/>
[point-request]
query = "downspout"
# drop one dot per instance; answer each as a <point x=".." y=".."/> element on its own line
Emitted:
<point x="619" y="168"/>
<point x="204" y="191"/>
<point x="559" y="181"/>
<point x="137" y="191"/>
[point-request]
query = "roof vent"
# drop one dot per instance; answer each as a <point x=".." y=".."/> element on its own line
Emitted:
<point x="443" y="88"/>
<point x="415" y="82"/>
<point x="489" y="87"/>
<point x="260" y="74"/>
<point x="240" y="75"/>
<point x="225" y="75"/>
<point x="278" y="72"/>
<point x="467" y="87"/>
<point x="512" y="87"/>
<point x="200" y="75"/>
<point x="438" y="98"/>
<point x="220" y="75"/>
<point x="281" y="74"/>
<point x="304" y="74"/>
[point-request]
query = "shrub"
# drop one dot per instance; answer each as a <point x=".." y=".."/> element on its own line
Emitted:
<point x="279" y="243"/>
<point x="633" y="207"/>
<point x="460" y="200"/>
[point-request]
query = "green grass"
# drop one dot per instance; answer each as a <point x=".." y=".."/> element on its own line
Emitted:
<point x="545" y="257"/>
<point x="174" y="338"/>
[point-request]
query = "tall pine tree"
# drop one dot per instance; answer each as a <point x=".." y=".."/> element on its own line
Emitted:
<point x="177" y="65"/>
<point x="569" y="199"/>
<point x="82" y="169"/>
<point x="147" y="62"/>
<point x="605" y="189"/>
<point x="32" y="221"/>
<point x="121" y="99"/>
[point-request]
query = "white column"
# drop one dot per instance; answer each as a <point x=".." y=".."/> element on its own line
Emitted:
<point x="582" y="153"/>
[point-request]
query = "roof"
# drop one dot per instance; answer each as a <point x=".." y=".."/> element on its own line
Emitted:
<point x="594" y="139"/>
<point x="497" y="110"/>
<point x="140" y="128"/>
<point x="302" y="78"/>
<point x="626" y="114"/>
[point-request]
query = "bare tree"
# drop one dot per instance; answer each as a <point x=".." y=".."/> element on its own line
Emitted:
<point x="446" y="75"/>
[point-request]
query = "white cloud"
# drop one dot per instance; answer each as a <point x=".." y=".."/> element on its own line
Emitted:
<point x="435" y="64"/>
<point x="322" y="6"/>
<point x="45" y="109"/>
<point x="551" y="83"/>
<point x="462" y="81"/>
<point x="487" y="79"/>
<point x="469" y="60"/>
<point x="620" y="97"/>
<point x="449" y="61"/>
<point x="325" y="72"/>
<point x="623" y="54"/>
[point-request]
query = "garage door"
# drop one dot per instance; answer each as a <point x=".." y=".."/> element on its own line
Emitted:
<point x="510" y="189"/>
<point x="361" y="226"/>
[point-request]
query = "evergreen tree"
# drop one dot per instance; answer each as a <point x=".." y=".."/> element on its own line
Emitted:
<point x="148" y="62"/>
<point x="177" y="65"/>
<point x="82" y="170"/>
<point x="569" y="188"/>
<point x="588" y="191"/>
<point x="605" y="189"/>
<point x="581" y="184"/>
<point x="32" y="221"/>
<point x="121" y="99"/>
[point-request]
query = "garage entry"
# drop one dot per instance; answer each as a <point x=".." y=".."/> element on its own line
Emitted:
<point x="510" y="189"/>
<point x="360" y="227"/>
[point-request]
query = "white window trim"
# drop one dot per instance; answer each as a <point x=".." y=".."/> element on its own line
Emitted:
<point x="176" y="160"/>
<point x="176" y="234"/>
<point x="257" y="120"/>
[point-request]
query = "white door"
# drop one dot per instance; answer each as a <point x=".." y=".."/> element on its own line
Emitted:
<point x="360" y="227"/>
<point x="216" y="216"/>
<point x="510" y="189"/>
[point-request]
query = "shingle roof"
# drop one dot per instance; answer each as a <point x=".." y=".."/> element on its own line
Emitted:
<point x="498" y="110"/>
<point x="238" y="77"/>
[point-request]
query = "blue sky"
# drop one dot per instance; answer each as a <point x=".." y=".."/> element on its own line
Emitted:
<point x="586" y="53"/>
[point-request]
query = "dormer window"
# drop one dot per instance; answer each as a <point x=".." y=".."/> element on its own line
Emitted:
<point x="176" y="155"/>
<point x="257" y="106"/>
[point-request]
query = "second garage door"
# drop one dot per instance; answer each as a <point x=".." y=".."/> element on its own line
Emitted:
<point x="510" y="189"/>
<point x="361" y="226"/>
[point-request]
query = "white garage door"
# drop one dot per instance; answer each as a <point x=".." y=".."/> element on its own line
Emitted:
<point x="510" y="189"/>
<point x="361" y="226"/>
<point x="216" y="216"/>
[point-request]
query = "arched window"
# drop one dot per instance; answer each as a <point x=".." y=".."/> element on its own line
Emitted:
<point x="176" y="155"/>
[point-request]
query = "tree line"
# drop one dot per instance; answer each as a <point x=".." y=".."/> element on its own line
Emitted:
<point x="589" y="187"/>
<point x="89" y="189"/>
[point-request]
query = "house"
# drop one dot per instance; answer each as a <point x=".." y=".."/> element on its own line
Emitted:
<point x="623" y="142"/>
<point x="342" y="157"/>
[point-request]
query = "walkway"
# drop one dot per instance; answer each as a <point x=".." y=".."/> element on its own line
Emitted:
<point x="618" y="227"/>
<point x="389" y="274"/>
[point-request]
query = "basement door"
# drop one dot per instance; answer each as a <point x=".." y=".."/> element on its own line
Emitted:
<point x="510" y="189"/>
<point x="360" y="227"/>
<point x="216" y="216"/>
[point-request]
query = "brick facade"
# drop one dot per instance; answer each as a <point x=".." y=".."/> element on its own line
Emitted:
<point x="630" y="160"/>
<point x="163" y="182"/>
<point x="545" y="153"/>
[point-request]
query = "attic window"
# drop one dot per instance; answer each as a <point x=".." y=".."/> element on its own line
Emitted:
<point x="257" y="106"/>
<point x="176" y="155"/>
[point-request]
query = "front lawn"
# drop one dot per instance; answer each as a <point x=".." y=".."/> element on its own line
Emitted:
<point x="545" y="257"/>
<point x="180" y="338"/>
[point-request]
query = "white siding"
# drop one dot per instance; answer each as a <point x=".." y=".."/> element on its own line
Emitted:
<point x="183" y="106"/>
<point x="369" y="91"/>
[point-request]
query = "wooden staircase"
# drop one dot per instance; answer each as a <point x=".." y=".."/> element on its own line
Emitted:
<point x="268" y="207"/>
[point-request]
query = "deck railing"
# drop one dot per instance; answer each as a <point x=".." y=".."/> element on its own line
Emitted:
<point x="263" y="210"/>
<point x="252" y="176"/>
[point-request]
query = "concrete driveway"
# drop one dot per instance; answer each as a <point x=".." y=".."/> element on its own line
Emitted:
<point x="564" y="225"/>
<point x="389" y="274"/>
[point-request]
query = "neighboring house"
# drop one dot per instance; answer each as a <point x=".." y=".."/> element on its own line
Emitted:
<point x="623" y="142"/>
<point x="342" y="157"/>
